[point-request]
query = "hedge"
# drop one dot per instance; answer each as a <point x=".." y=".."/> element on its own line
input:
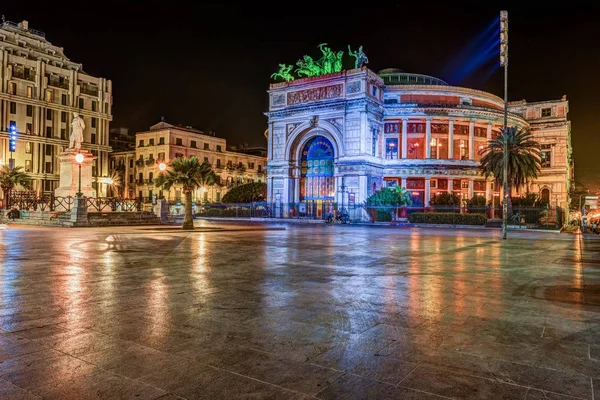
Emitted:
<point x="447" y="218"/>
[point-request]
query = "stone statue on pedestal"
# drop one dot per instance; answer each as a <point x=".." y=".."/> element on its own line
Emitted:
<point x="77" y="127"/>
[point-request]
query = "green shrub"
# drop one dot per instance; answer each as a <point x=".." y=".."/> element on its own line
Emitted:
<point x="246" y="193"/>
<point x="383" y="215"/>
<point x="447" y="218"/>
<point x="445" y="199"/>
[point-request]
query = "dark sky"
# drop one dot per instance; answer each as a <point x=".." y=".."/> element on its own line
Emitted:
<point x="208" y="65"/>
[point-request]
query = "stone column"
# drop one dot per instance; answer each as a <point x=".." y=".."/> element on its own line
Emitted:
<point x="404" y="137"/>
<point x="471" y="140"/>
<point x="403" y="182"/>
<point x="488" y="190"/>
<point x="470" y="188"/>
<point x="489" y="131"/>
<point x="428" y="138"/>
<point x="427" y="192"/>
<point x="450" y="185"/>
<point x="161" y="209"/>
<point x="450" y="139"/>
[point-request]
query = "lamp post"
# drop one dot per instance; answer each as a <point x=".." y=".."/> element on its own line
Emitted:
<point x="79" y="159"/>
<point x="582" y="209"/>
<point x="504" y="63"/>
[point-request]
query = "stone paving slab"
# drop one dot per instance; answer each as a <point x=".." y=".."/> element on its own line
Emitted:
<point x="281" y="311"/>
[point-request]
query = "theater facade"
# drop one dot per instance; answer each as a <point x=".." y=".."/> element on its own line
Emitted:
<point x="337" y="138"/>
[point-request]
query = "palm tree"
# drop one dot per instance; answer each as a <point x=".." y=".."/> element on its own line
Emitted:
<point x="11" y="178"/>
<point x="523" y="158"/>
<point x="190" y="174"/>
<point x="404" y="197"/>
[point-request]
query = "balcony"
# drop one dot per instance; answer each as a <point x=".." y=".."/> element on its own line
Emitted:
<point x="27" y="74"/>
<point x="150" y="161"/>
<point x="89" y="90"/>
<point x="139" y="163"/>
<point x="58" y="84"/>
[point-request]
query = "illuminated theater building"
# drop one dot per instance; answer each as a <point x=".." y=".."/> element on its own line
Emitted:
<point x="339" y="137"/>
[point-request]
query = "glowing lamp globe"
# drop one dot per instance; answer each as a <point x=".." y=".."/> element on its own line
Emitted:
<point x="162" y="166"/>
<point x="79" y="158"/>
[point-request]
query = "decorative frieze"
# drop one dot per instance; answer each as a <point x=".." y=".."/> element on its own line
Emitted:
<point x="391" y="127"/>
<point x="314" y="94"/>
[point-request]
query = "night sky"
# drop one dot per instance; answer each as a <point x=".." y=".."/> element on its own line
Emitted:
<point x="209" y="66"/>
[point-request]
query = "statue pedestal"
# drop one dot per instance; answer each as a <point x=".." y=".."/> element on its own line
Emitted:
<point x="69" y="174"/>
<point x="79" y="212"/>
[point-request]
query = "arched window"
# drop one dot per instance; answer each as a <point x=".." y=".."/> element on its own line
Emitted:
<point x="316" y="170"/>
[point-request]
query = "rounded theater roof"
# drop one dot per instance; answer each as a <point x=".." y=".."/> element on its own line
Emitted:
<point x="395" y="76"/>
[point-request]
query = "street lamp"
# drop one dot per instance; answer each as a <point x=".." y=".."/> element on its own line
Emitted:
<point x="162" y="166"/>
<point x="79" y="159"/>
<point x="504" y="63"/>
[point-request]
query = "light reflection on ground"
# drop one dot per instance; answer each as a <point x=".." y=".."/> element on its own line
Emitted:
<point x="311" y="310"/>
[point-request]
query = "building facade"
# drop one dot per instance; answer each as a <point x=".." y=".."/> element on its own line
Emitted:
<point x="164" y="142"/>
<point x="40" y="89"/>
<point x="337" y="138"/>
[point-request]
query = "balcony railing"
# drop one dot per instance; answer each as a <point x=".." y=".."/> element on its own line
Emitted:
<point x="58" y="84"/>
<point x="139" y="163"/>
<point x="27" y="75"/>
<point x="91" y="91"/>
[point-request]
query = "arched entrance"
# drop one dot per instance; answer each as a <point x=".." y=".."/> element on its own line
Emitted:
<point x="545" y="196"/>
<point x="317" y="183"/>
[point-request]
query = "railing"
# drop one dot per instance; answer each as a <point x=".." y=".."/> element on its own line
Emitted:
<point x="27" y="75"/>
<point x="541" y="217"/>
<point x="9" y="24"/>
<point x="112" y="204"/>
<point x="89" y="91"/>
<point x="150" y="161"/>
<point x="29" y="201"/>
<point x="58" y="84"/>
<point x="139" y="163"/>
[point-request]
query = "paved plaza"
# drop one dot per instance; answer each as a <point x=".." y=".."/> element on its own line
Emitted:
<point x="250" y="311"/>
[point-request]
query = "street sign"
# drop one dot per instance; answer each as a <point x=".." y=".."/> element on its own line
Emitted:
<point x="13" y="137"/>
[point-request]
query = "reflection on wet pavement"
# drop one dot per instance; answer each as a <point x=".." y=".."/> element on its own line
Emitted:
<point x="327" y="312"/>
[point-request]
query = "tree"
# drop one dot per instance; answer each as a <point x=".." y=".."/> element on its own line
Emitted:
<point x="526" y="200"/>
<point x="11" y="178"/>
<point x="477" y="200"/>
<point x="246" y="193"/>
<point x="190" y="174"/>
<point x="387" y="198"/>
<point x="577" y="193"/>
<point x="523" y="158"/>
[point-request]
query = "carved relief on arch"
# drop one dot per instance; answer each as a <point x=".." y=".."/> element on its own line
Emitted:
<point x="337" y="122"/>
<point x="290" y="129"/>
